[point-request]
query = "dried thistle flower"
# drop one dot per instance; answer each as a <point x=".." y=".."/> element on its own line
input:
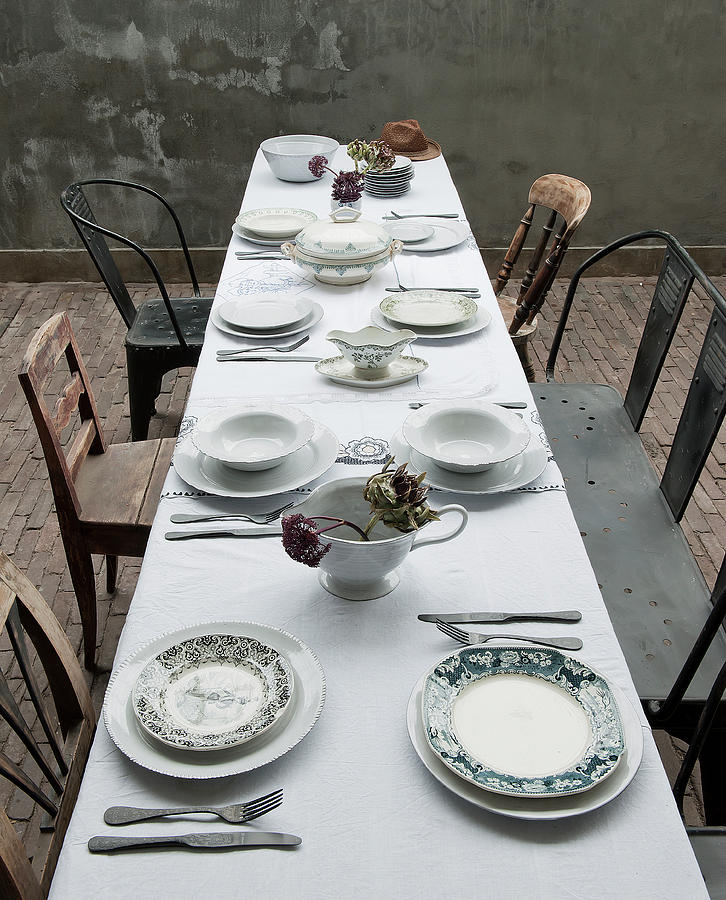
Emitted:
<point x="398" y="499"/>
<point x="347" y="187"/>
<point x="318" y="165"/>
<point x="301" y="537"/>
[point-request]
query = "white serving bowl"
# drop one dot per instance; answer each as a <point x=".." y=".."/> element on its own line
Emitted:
<point x="371" y="347"/>
<point x="468" y="436"/>
<point x="289" y="154"/>
<point x="253" y="437"/>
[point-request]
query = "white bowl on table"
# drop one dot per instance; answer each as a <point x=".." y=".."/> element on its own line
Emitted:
<point x="252" y="437"/>
<point x="466" y="436"/>
<point x="371" y="347"/>
<point x="289" y="154"/>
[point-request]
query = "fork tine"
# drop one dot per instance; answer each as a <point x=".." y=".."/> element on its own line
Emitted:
<point x="451" y="631"/>
<point x="262" y="810"/>
<point x="276" y="513"/>
<point x="250" y="804"/>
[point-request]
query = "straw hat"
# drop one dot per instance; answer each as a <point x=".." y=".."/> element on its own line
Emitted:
<point x="407" y="139"/>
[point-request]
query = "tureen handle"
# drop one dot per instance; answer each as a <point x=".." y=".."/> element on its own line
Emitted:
<point x="288" y="249"/>
<point x="345" y="214"/>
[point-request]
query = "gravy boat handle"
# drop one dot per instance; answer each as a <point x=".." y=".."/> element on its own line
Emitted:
<point x="422" y="539"/>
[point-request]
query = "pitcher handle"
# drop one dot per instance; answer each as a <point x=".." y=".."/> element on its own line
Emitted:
<point x="421" y="539"/>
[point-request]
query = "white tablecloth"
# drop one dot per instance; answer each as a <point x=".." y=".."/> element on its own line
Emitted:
<point x="374" y="822"/>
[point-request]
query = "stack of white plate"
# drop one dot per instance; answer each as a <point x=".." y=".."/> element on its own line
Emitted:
<point x="254" y="450"/>
<point x="267" y="315"/>
<point x="214" y="699"/>
<point x="392" y="183"/>
<point x="271" y="225"/>
<point x="431" y="314"/>
<point x="524" y="731"/>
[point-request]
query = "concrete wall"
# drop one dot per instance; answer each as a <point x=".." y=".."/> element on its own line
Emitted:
<point x="628" y="96"/>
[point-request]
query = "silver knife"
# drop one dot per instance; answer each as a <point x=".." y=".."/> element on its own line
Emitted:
<point x="507" y="404"/>
<point x="205" y="841"/>
<point x="490" y="618"/>
<point x="249" y="357"/>
<point x="229" y="532"/>
<point x="445" y="290"/>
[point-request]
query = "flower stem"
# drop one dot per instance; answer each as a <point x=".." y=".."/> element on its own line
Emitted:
<point x="338" y="523"/>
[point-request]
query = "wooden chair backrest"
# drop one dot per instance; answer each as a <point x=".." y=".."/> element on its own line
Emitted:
<point x="53" y="341"/>
<point x="565" y="197"/>
<point x="68" y="731"/>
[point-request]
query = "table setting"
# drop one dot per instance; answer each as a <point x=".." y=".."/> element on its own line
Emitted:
<point x="357" y="716"/>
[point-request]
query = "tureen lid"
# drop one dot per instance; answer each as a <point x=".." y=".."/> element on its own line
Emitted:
<point x="347" y="236"/>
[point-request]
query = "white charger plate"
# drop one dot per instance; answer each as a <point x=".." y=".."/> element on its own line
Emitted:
<point x="533" y="808"/>
<point x="253" y="238"/>
<point x="315" y="316"/>
<point x="266" y="312"/>
<point x="447" y="234"/>
<point x="275" y="221"/>
<point x="506" y="476"/>
<point x="210" y="475"/>
<point x="301" y="714"/>
<point x="428" y="309"/>
<point x="478" y="322"/>
<point x="339" y="370"/>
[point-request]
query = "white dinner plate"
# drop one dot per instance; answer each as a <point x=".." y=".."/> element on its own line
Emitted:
<point x="447" y="234"/>
<point x="315" y="316"/>
<point x="266" y="312"/>
<point x="478" y="322"/>
<point x="398" y="193"/>
<point x="300" y="715"/>
<point x="535" y="808"/>
<point x="275" y="221"/>
<point x="338" y="369"/>
<point x="505" y="476"/>
<point x="212" y="691"/>
<point x="207" y="474"/>
<point x="255" y="238"/>
<point x="428" y="309"/>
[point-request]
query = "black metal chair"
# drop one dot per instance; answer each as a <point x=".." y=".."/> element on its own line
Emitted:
<point x="163" y="333"/>
<point x="629" y="519"/>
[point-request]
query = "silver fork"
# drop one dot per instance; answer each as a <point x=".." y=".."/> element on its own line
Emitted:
<point x="236" y="813"/>
<point x="256" y="518"/>
<point x="288" y="348"/>
<point x="474" y="637"/>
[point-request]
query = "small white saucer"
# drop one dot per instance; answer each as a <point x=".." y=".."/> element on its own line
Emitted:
<point x="315" y="316"/>
<point x="338" y="369"/>
<point x="409" y="232"/>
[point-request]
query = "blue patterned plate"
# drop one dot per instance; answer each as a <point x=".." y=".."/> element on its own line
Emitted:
<point x="522" y="720"/>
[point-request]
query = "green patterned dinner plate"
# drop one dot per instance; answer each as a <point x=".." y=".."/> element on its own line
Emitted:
<point x="524" y="721"/>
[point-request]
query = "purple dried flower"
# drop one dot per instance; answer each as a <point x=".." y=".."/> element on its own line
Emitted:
<point x="301" y="540"/>
<point x="347" y="187"/>
<point x="318" y="165"/>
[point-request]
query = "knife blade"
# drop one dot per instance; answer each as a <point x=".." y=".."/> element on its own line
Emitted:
<point x="287" y="357"/>
<point x="491" y="618"/>
<point x="228" y="532"/>
<point x="213" y="840"/>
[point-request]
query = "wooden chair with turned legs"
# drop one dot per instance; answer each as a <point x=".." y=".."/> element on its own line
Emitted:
<point x="567" y="199"/>
<point x="57" y="742"/>
<point x="105" y="495"/>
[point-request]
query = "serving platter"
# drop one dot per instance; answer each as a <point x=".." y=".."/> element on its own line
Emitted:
<point x="275" y="221"/>
<point x="210" y="475"/>
<point x="212" y="691"/>
<point x="300" y="715"/>
<point x="403" y="369"/>
<point x="428" y="309"/>
<point x="532" y="808"/>
<point x="477" y="323"/>
<point x="505" y="476"/>
<point x="522" y="721"/>
<point x="312" y="319"/>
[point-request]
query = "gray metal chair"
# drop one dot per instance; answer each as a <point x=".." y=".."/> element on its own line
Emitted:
<point x="164" y="333"/>
<point x="629" y="519"/>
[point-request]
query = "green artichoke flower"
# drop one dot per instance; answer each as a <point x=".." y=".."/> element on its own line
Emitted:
<point x="398" y="499"/>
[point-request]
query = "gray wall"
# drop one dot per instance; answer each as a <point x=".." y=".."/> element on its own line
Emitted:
<point x="626" y="95"/>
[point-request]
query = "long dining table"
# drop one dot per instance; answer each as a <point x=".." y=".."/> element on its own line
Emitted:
<point x="374" y="821"/>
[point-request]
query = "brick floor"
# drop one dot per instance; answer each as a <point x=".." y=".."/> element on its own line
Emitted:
<point x="599" y="346"/>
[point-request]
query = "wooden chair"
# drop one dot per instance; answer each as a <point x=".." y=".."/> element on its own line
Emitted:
<point x="563" y="196"/>
<point x="164" y="333"/>
<point x="667" y="621"/>
<point x="68" y="731"/>
<point x="105" y="495"/>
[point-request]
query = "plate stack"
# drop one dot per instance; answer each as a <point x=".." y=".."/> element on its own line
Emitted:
<point x="254" y="450"/>
<point x="266" y="316"/>
<point x="524" y="731"/>
<point x="431" y="314"/>
<point x="214" y="699"/>
<point x="270" y="226"/>
<point x="392" y="183"/>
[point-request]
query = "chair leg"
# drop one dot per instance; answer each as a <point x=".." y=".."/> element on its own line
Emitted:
<point x="524" y="358"/>
<point x="84" y="585"/>
<point x="141" y="399"/>
<point x="111" y="573"/>
<point x="712" y="780"/>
